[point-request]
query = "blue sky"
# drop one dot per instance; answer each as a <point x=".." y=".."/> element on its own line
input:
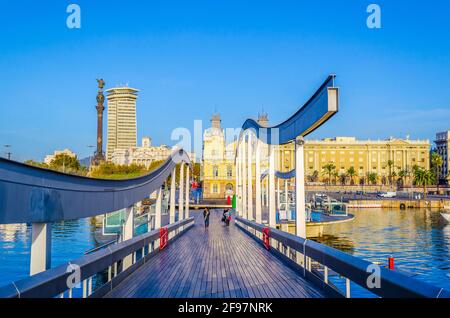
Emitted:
<point x="190" y="58"/>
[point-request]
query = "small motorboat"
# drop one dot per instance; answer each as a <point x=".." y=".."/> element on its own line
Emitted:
<point x="446" y="216"/>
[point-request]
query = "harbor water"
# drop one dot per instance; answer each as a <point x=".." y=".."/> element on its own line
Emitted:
<point x="418" y="239"/>
<point x="70" y="240"/>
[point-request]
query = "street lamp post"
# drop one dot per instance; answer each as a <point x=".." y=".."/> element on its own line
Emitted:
<point x="8" y="151"/>
<point x="90" y="157"/>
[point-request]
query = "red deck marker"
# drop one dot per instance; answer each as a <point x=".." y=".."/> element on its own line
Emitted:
<point x="163" y="237"/>
<point x="266" y="237"/>
<point x="391" y="265"/>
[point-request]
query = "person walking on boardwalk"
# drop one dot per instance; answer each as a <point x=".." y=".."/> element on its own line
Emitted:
<point x="224" y="215"/>
<point x="206" y="214"/>
<point x="226" y="218"/>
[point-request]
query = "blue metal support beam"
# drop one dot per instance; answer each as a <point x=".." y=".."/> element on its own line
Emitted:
<point x="34" y="195"/>
<point x="323" y="104"/>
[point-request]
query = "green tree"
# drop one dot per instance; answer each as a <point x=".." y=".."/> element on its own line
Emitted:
<point x="65" y="163"/>
<point x="196" y="171"/>
<point x="436" y="163"/>
<point x="394" y="175"/>
<point x="351" y="173"/>
<point x="372" y="178"/>
<point x="36" y="164"/>
<point x="314" y="176"/>
<point x="403" y="174"/>
<point x="328" y="170"/>
<point x="109" y="170"/>
<point x="423" y="177"/>
<point x="335" y="175"/>
<point x="62" y="163"/>
<point x="390" y="163"/>
<point x="343" y="178"/>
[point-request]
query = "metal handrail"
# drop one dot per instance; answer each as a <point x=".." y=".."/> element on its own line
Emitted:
<point x="95" y="249"/>
<point x="392" y="284"/>
<point x="53" y="282"/>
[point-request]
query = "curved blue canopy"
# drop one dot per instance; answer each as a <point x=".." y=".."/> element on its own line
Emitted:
<point x="279" y="174"/>
<point x="33" y="195"/>
<point x="322" y="105"/>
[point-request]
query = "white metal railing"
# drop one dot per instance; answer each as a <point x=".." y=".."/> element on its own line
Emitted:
<point x="325" y="266"/>
<point x="98" y="272"/>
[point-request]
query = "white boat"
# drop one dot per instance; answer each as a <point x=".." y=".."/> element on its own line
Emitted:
<point x="446" y="216"/>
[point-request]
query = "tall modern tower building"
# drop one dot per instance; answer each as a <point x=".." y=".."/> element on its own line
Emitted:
<point x="121" y="119"/>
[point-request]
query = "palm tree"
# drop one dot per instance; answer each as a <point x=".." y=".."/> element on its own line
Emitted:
<point x="351" y="173"/>
<point x="403" y="174"/>
<point x="335" y="175"/>
<point x="390" y="163"/>
<point x="328" y="170"/>
<point x="436" y="163"/>
<point x="394" y="174"/>
<point x="314" y="176"/>
<point x="423" y="177"/>
<point x="372" y="177"/>
<point x="343" y="178"/>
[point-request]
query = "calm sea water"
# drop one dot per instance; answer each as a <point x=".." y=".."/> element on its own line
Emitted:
<point x="418" y="239"/>
<point x="69" y="241"/>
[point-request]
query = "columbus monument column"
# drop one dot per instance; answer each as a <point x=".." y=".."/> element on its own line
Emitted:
<point x="99" y="155"/>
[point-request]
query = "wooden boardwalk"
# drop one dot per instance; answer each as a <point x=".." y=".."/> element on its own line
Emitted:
<point x="216" y="262"/>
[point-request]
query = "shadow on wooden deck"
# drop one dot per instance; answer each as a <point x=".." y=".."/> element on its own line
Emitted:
<point x="216" y="262"/>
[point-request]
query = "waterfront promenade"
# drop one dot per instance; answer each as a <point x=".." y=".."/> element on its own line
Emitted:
<point x="216" y="262"/>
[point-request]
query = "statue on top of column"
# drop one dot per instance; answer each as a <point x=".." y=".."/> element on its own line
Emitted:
<point x="99" y="155"/>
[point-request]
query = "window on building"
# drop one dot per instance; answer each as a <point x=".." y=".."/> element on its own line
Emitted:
<point x="215" y="188"/>
<point x="215" y="172"/>
<point x="229" y="171"/>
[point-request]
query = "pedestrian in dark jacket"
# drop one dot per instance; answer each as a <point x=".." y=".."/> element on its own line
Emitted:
<point x="206" y="214"/>
<point x="226" y="216"/>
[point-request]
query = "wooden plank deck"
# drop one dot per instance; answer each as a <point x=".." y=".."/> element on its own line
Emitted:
<point x="216" y="262"/>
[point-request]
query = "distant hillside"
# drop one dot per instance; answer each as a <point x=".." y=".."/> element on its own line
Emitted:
<point x="86" y="162"/>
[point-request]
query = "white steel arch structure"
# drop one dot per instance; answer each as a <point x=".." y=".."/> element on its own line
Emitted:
<point x="322" y="105"/>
